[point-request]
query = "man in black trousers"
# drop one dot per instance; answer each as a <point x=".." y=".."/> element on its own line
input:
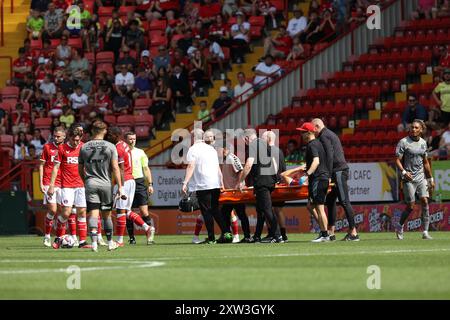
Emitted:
<point x="339" y="169"/>
<point x="262" y="167"/>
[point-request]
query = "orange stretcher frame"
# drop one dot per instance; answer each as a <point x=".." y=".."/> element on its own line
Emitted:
<point x="280" y="193"/>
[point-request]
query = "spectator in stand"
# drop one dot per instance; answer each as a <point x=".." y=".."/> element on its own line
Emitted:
<point x="246" y="6"/>
<point x="229" y="8"/>
<point x="190" y="11"/>
<point x="220" y="30"/>
<point x="21" y="146"/>
<point x="278" y="46"/>
<point x="143" y="5"/>
<point x="199" y="71"/>
<point x="46" y="52"/>
<point x="312" y="26"/>
<point x="90" y="34"/>
<point x="39" y="5"/>
<point x="103" y="102"/>
<point x="58" y="103"/>
<point x="38" y="141"/>
<point x="186" y="42"/>
<point x="66" y="85"/>
<point x="199" y="30"/>
<point x="78" y="64"/>
<point x="208" y="11"/>
<point x="326" y="30"/>
<point x="444" y="61"/>
<point x="146" y="62"/>
<point x="78" y="99"/>
<point x="28" y="88"/>
<point x="61" y="6"/>
<point x="48" y="88"/>
<point x="221" y="104"/>
<point x="84" y="14"/>
<point x="203" y="113"/>
<point x="55" y="124"/>
<point x="114" y="38"/>
<point x="115" y="15"/>
<point x="194" y="47"/>
<point x="443" y="9"/>
<point x="105" y="83"/>
<point x="358" y="17"/>
<point x="414" y="110"/>
<point x="124" y="80"/>
<point x="243" y="90"/>
<point x="216" y="55"/>
<point x="53" y="25"/>
<point x="180" y="90"/>
<point x="67" y="118"/>
<point x="266" y="72"/>
<point x="297" y="51"/>
<point x="162" y="60"/>
<point x="86" y="83"/>
<point x="163" y="74"/>
<point x="443" y="101"/>
<point x="240" y="31"/>
<point x="3" y="121"/>
<point x="134" y="37"/>
<point x="142" y="85"/>
<point x="424" y="10"/>
<point x="162" y="96"/>
<point x="21" y="66"/>
<point x="32" y="154"/>
<point x="293" y="153"/>
<point x="180" y="60"/>
<point x="230" y="91"/>
<point x="35" y="25"/>
<point x="38" y="106"/>
<point x="121" y="103"/>
<point x="297" y="24"/>
<point x="63" y="50"/>
<point x="444" y="143"/>
<point x="20" y="119"/>
<point x="90" y="112"/>
<point x="266" y="9"/>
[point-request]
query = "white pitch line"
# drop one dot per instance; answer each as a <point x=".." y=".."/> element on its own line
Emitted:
<point x="150" y="264"/>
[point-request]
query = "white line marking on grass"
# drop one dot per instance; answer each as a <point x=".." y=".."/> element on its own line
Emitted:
<point x="142" y="264"/>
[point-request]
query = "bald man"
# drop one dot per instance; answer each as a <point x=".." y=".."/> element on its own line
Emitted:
<point x="339" y="175"/>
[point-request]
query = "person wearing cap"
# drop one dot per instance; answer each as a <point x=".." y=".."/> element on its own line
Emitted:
<point x="443" y="100"/>
<point x="221" y="104"/>
<point x="265" y="72"/>
<point x="339" y="170"/>
<point x="240" y="32"/>
<point x="297" y="24"/>
<point x="317" y="172"/>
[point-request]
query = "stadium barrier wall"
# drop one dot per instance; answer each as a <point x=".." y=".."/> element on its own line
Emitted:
<point x="368" y="218"/>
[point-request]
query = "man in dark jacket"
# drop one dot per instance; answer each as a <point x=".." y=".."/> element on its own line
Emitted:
<point x="339" y="175"/>
<point x="414" y="110"/>
<point x="179" y="85"/>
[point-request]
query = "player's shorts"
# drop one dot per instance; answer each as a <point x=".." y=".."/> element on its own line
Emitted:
<point x="317" y="189"/>
<point x="129" y="188"/>
<point x="56" y="198"/>
<point x="99" y="197"/>
<point x="140" y="194"/>
<point x="410" y="189"/>
<point x="73" y="197"/>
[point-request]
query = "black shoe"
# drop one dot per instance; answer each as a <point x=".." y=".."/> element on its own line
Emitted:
<point x="333" y="237"/>
<point x="266" y="238"/>
<point x="272" y="240"/>
<point x="132" y="240"/>
<point x="246" y="240"/>
<point x="255" y="239"/>
<point x="349" y="237"/>
<point x="285" y="238"/>
<point x="84" y="245"/>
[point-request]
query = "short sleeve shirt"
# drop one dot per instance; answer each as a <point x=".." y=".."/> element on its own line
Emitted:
<point x="140" y="160"/>
<point x="315" y="149"/>
<point x="206" y="171"/>
<point x="412" y="154"/>
<point x="444" y="90"/>
<point x="96" y="157"/>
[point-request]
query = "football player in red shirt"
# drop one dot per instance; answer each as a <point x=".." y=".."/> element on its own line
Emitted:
<point x="72" y="192"/>
<point x="123" y="206"/>
<point x="49" y="153"/>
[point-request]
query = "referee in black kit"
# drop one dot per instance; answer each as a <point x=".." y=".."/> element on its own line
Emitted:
<point x="336" y="161"/>
<point x="263" y="168"/>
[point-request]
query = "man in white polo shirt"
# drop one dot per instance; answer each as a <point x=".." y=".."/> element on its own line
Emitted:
<point x="240" y="31"/>
<point x="297" y="24"/>
<point x="203" y="176"/>
<point x="266" y="72"/>
<point x="124" y="79"/>
<point x="243" y="90"/>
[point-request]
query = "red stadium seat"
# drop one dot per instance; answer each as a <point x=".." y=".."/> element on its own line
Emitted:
<point x="105" y="11"/>
<point x="42" y="123"/>
<point x="75" y="43"/>
<point x="142" y="104"/>
<point x="110" y="119"/>
<point x="158" y="25"/>
<point x="105" y="57"/>
<point x="9" y="93"/>
<point x="6" y="140"/>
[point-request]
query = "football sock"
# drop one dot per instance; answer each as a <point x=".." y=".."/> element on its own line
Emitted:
<point x="94" y="237"/>
<point x="121" y="224"/>
<point x="82" y="228"/>
<point x="198" y="225"/>
<point x="234" y="225"/>
<point x="130" y="228"/>
<point x="61" y="226"/>
<point x="405" y="215"/>
<point x="73" y="223"/>
<point x="48" y="223"/>
<point x="147" y="220"/>
<point x="426" y="216"/>
<point x="324" y="234"/>
<point x="99" y="226"/>
<point x="137" y="220"/>
<point x="93" y="224"/>
<point x="109" y="228"/>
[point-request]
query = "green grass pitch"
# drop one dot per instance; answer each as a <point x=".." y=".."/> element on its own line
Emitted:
<point x="174" y="268"/>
